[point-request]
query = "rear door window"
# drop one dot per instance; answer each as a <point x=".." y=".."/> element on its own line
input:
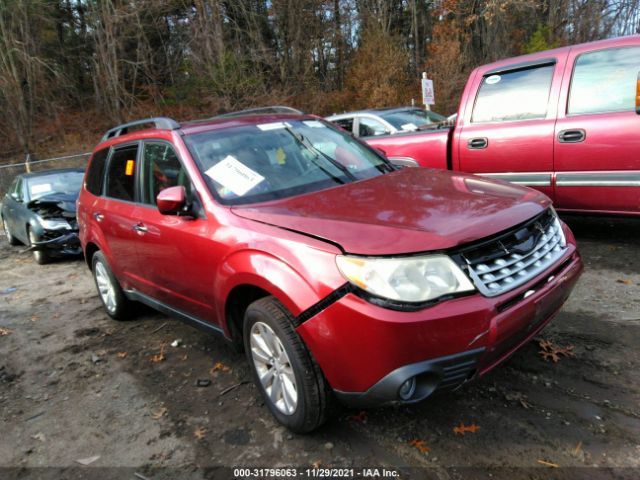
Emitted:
<point x="604" y="81"/>
<point x="121" y="173"/>
<point x="515" y="95"/>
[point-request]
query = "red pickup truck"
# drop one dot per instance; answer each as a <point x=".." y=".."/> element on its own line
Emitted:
<point x="563" y="121"/>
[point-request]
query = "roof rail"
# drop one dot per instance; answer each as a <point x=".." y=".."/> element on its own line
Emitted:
<point x="164" y="123"/>
<point x="261" y="110"/>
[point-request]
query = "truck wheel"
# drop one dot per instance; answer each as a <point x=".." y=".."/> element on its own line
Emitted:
<point x="111" y="295"/>
<point x="10" y="238"/>
<point x="40" y="256"/>
<point x="291" y="383"/>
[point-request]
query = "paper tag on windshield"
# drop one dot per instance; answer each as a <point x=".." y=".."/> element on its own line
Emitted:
<point x="313" y="123"/>
<point x="42" y="188"/>
<point x="234" y="175"/>
<point x="271" y="126"/>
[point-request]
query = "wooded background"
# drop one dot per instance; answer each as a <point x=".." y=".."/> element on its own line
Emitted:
<point x="69" y="69"/>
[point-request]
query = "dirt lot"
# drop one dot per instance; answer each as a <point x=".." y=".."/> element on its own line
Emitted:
<point x="75" y="384"/>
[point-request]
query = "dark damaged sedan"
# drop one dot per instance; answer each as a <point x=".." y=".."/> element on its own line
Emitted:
<point x="39" y="210"/>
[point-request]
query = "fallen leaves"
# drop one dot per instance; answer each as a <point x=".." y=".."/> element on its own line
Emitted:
<point x="122" y="354"/>
<point x="625" y="281"/>
<point x="5" y="331"/>
<point x="462" y="428"/>
<point x="553" y="352"/>
<point x="219" y="366"/>
<point x="158" y="414"/>
<point x="159" y="357"/>
<point x="548" y="464"/>
<point x="359" y="418"/>
<point x="199" y="433"/>
<point x="420" y="445"/>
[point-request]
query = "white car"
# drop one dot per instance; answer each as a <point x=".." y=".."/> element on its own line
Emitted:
<point x="386" y="121"/>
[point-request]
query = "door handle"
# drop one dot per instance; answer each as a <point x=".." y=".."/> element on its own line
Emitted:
<point x="572" y="136"/>
<point x="98" y="216"/>
<point x="478" y="143"/>
<point x="140" y="228"/>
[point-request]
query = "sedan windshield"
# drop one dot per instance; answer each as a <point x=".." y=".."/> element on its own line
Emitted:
<point x="61" y="182"/>
<point x="412" y="119"/>
<point x="262" y="162"/>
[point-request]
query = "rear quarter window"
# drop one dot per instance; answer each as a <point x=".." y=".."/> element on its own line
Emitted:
<point x="95" y="173"/>
<point x="604" y="81"/>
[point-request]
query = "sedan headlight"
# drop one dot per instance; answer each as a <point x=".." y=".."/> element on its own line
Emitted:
<point x="55" y="224"/>
<point x="406" y="279"/>
<point x="558" y="227"/>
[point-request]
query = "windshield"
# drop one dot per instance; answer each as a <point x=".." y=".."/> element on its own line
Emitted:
<point x="412" y="119"/>
<point x="262" y="162"/>
<point x="65" y="182"/>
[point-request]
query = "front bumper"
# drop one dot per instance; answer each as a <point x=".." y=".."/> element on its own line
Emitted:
<point x="67" y="243"/>
<point x="367" y="352"/>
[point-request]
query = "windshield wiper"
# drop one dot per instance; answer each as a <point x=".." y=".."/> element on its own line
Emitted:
<point x="306" y="143"/>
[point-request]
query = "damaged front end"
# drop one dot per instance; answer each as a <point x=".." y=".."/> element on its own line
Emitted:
<point x="56" y="214"/>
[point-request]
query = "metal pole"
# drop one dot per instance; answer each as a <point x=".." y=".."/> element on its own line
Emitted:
<point x="27" y="163"/>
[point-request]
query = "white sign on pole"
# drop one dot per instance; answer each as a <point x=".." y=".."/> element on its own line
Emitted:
<point x="428" y="96"/>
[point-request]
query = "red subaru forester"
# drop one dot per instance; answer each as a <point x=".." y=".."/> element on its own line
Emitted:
<point x="341" y="275"/>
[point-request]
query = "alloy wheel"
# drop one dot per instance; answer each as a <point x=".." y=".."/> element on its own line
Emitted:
<point x="105" y="287"/>
<point x="274" y="368"/>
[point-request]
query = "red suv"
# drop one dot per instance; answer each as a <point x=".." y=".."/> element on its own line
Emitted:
<point x="340" y="274"/>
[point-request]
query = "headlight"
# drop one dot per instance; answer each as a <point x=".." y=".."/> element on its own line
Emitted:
<point x="408" y="279"/>
<point x="55" y="224"/>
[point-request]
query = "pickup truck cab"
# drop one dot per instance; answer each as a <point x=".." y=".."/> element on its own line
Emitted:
<point x="563" y="121"/>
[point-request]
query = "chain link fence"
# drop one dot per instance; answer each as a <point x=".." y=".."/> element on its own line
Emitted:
<point x="9" y="172"/>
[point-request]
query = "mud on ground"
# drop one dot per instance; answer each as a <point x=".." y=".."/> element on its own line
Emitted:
<point x="75" y="385"/>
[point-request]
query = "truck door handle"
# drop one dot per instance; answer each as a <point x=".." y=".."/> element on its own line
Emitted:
<point x="478" y="143"/>
<point x="140" y="228"/>
<point x="572" y="136"/>
<point x="98" y="216"/>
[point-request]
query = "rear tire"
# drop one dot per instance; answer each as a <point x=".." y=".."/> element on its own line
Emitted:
<point x="115" y="303"/>
<point x="40" y="256"/>
<point x="292" y="385"/>
<point x="10" y="238"/>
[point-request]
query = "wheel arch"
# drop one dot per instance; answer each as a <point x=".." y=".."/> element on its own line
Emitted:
<point x="249" y="275"/>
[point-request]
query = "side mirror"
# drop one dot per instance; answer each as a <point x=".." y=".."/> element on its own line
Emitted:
<point x="172" y="200"/>
<point x="638" y="95"/>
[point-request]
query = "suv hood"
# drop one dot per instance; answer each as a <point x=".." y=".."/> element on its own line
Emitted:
<point x="411" y="210"/>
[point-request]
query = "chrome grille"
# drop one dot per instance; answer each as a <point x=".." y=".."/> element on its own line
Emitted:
<point x="517" y="257"/>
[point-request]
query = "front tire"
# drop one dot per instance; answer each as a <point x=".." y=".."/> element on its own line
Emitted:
<point x="10" y="238"/>
<point x="111" y="295"/>
<point x="40" y="256"/>
<point x="292" y="385"/>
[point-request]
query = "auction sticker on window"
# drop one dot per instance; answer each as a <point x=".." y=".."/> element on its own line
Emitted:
<point x="234" y="175"/>
<point x="493" y="79"/>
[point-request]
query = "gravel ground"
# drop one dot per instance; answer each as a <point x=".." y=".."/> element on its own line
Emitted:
<point x="77" y="386"/>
